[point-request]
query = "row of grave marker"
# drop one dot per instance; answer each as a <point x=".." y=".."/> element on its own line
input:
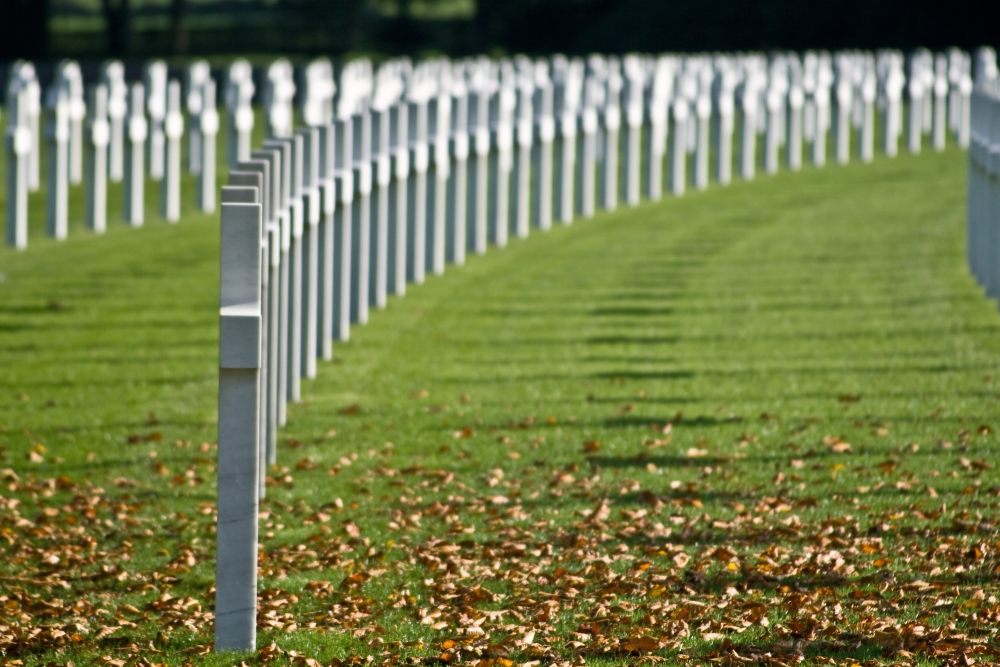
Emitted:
<point x="402" y="169"/>
<point x="983" y="204"/>
<point x="580" y="114"/>
<point x="110" y="131"/>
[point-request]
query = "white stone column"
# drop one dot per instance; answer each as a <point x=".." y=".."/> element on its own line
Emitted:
<point x="501" y="161"/>
<point x="611" y="118"/>
<point x="239" y="95"/>
<point x="155" y="78"/>
<point x="239" y="424"/>
<point x="113" y="77"/>
<point x="57" y="136"/>
<point x="135" y="174"/>
<point x="173" y="133"/>
<point x="678" y="146"/>
<point x="456" y="219"/>
<point x="208" y="124"/>
<point x="98" y="136"/>
<point x="17" y="142"/>
<point x="545" y="133"/>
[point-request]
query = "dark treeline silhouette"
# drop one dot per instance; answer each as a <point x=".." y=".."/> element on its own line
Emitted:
<point x="310" y="27"/>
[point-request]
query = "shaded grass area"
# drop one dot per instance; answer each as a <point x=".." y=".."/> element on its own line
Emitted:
<point x="752" y="424"/>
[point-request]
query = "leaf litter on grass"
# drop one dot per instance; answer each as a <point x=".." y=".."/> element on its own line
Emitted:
<point x="565" y="564"/>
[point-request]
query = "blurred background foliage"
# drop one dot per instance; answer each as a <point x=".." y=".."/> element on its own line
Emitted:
<point x="85" y="29"/>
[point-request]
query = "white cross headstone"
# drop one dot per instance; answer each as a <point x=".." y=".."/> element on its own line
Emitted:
<point x="843" y="107"/>
<point x="57" y="135"/>
<point x="824" y="81"/>
<point x="965" y="93"/>
<point x="566" y="91"/>
<point x="439" y="136"/>
<point x="196" y="76"/>
<point x="545" y="133"/>
<point x="417" y="95"/>
<point x="501" y="161"/>
<point x="344" y="165"/>
<point x="113" y="77"/>
<point x="589" y="124"/>
<point x="257" y="173"/>
<point x="281" y="173"/>
<point x="940" y="124"/>
<point x="633" y="92"/>
<point x="810" y="72"/>
<point x="955" y="71"/>
<point x="239" y="94"/>
<point x="868" y="92"/>
<point x="239" y="424"/>
<point x="679" y="111"/>
<point x="893" y="84"/>
<point x="926" y="59"/>
<point x="155" y="77"/>
<point x="479" y="131"/>
<point x="748" y="96"/>
<point x="702" y="108"/>
<point x="17" y="143"/>
<point x="70" y="70"/>
<point x="279" y="92"/>
<point x="916" y="94"/>
<point x="254" y="193"/>
<point x="208" y="126"/>
<point x="361" y="217"/>
<point x="796" y="102"/>
<point x="725" y="118"/>
<point x="523" y="139"/>
<point x="328" y="136"/>
<point x="33" y="107"/>
<point x="610" y="128"/>
<point x="456" y="218"/>
<point x="387" y="90"/>
<point x="311" y="187"/>
<point x="96" y="140"/>
<point x="173" y="132"/>
<point x="277" y="228"/>
<point x="135" y="175"/>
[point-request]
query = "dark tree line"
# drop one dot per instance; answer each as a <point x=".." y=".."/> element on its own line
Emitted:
<point x="535" y="26"/>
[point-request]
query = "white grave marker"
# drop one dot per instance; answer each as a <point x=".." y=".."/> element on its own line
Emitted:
<point x="208" y="125"/>
<point x="113" y="77"/>
<point x="239" y="95"/>
<point x="155" y="77"/>
<point x="138" y="132"/>
<point x="479" y="130"/>
<point x="501" y="161"/>
<point x="57" y="136"/>
<point x="611" y="118"/>
<point x="17" y="143"/>
<point x="96" y="141"/>
<point x="239" y="425"/>
<point x="545" y="134"/>
<point x="173" y="132"/>
<point x="197" y="76"/>
<point x="523" y="119"/>
<point x="456" y="216"/>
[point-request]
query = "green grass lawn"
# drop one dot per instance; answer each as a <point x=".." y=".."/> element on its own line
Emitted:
<point x="753" y="425"/>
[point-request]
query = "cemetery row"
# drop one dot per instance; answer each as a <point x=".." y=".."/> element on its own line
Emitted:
<point x="403" y="169"/>
<point x="593" y="122"/>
